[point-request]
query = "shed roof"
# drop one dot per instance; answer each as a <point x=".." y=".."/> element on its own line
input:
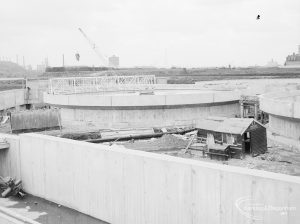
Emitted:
<point x="226" y="125"/>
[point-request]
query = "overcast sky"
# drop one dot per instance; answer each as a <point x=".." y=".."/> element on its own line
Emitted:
<point x="189" y="33"/>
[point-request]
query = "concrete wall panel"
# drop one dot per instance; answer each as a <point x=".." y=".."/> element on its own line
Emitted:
<point x="62" y="100"/>
<point x="224" y="96"/>
<point x="119" y="185"/>
<point x="176" y="99"/>
<point x="37" y="87"/>
<point x="89" y="100"/>
<point x="34" y="119"/>
<point x="285" y="126"/>
<point x="10" y="158"/>
<point x="12" y="98"/>
<point x="120" y="118"/>
<point x="284" y="116"/>
<point x="138" y="100"/>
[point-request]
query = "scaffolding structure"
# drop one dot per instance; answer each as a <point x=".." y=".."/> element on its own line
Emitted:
<point x="249" y="108"/>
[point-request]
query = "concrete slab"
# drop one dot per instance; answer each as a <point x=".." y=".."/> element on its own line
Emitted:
<point x="34" y="210"/>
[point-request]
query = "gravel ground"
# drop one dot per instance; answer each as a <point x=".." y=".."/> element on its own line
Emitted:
<point x="277" y="159"/>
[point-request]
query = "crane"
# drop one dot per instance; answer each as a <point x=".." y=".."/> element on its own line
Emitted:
<point x="94" y="47"/>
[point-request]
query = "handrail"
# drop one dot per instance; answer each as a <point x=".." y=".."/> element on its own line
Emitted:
<point x="97" y="84"/>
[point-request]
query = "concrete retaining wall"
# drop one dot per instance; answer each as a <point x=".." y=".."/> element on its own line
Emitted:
<point x="35" y="119"/>
<point x="119" y="185"/>
<point x="18" y="97"/>
<point x="12" y="98"/>
<point x="37" y="88"/>
<point x="10" y="158"/>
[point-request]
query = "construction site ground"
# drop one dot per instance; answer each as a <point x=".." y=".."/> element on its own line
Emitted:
<point x="45" y="212"/>
<point x="278" y="159"/>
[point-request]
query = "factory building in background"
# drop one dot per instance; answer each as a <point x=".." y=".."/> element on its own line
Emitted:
<point x="293" y="60"/>
<point x="113" y="61"/>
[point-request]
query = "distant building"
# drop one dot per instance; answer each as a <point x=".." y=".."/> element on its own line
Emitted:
<point x="293" y="60"/>
<point x="113" y="61"/>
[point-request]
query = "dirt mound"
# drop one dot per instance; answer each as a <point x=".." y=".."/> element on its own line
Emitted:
<point x="170" y="141"/>
<point x="10" y="69"/>
<point x="166" y="142"/>
<point x="82" y="136"/>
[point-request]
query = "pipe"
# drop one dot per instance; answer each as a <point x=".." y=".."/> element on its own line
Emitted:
<point x="6" y="192"/>
<point x="143" y="136"/>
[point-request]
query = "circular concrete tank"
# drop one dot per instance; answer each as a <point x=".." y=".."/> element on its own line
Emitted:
<point x="284" y="115"/>
<point x="135" y="109"/>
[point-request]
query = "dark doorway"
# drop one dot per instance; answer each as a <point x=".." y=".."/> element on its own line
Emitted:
<point x="28" y="106"/>
<point x="247" y="139"/>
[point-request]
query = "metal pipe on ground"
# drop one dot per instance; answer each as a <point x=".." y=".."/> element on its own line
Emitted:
<point x="140" y="136"/>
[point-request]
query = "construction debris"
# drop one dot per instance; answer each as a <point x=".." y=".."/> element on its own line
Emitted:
<point x="3" y="144"/>
<point x="4" y="119"/>
<point x="82" y="135"/>
<point x="113" y="136"/>
<point x="10" y="187"/>
<point x="194" y="136"/>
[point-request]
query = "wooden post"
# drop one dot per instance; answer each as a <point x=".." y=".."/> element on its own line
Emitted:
<point x="255" y="111"/>
<point x="242" y="109"/>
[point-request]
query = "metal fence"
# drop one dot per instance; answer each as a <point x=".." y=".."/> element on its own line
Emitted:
<point x="98" y="84"/>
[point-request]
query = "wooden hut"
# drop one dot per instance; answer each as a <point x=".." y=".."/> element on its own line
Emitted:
<point x="242" y="135"/>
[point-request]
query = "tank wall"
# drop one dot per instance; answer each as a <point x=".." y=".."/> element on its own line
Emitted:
<point x="12" y="98"/>
<point x="142" y="118"/>
<point x="288" y="127"/>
